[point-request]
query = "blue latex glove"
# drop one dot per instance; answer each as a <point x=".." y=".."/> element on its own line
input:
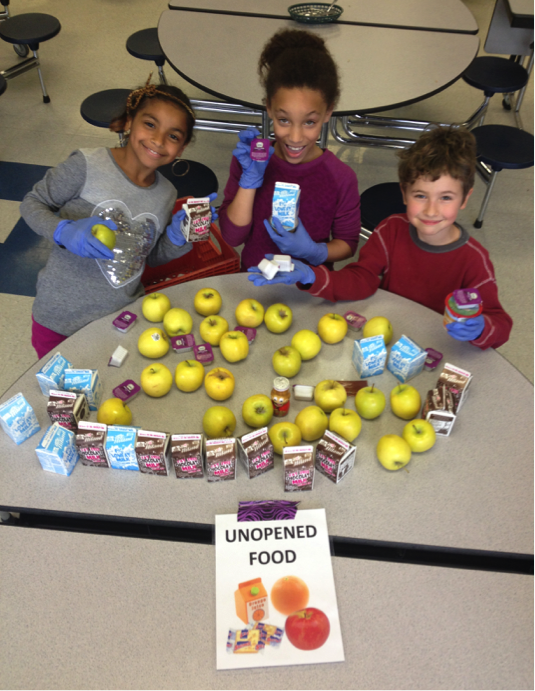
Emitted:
<point x="252" y="176"/>
<point x="298" y="244"/>
<point x="76" y="237"/>
<point x="468" y="330"/>
<point x="302" y="273"/>
<point x="173" y="229"/>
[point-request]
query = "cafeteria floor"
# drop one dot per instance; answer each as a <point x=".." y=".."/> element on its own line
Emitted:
<point x="89" y="55"/>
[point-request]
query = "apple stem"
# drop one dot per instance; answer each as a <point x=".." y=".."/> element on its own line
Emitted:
<point x="371" y="391"/>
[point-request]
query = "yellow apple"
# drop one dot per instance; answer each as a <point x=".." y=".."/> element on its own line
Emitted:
<point x="257" y="410"/>
<point x="153" y="342"/>
<point x="370" y="402"/>
<point x="405" y="401"/>
<point x="218" y="422"/>
<point x="284" y="434"/>
<point x="154" y="307"/>
<point x="312" y="421"/>
<point x="346" y="423"/>
<point x="332" y="328"/>
<point x="249" y="313"/>
<point x="104" y="234"/>
<point x="393" y="452"/>
<point x="212" y="328"/>
<point x="378" y="326"/>
<point x="177" y="322"/>
<point x="114" y="412"/>
<point x="278" y="318"/>
<point x="286" y="361"/>
<point x="207" y="302"/>
<point x="189" y="375"/>
<point x="307" y="343"/>
<point x="156" y="380"/>
<point x="234" y="346"/>
<point x="329" y="394"/>
<point x="219" y="384"/>
<point x="420" y="435"/>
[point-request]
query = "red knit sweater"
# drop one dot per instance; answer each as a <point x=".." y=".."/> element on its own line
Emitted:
<point x="396" y="260"/>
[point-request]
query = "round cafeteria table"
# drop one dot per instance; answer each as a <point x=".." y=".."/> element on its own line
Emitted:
<point x="103" y="612"/>
<point x="473" y="490"/>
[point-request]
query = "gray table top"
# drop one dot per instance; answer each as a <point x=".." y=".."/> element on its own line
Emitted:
<point x="434" y="15"/>
<point x="379" y="68"/>
<point x="101" y="612"/>
<point x="474" y="489"/>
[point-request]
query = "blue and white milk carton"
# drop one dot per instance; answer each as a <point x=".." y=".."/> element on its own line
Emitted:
<point x="285" y="205"/>
<point x="18" y="419"/>
<point x="57" y="451"/>
<point x="406" y="359"/>
<point x="86" y="381"/>
<point x="52" y="374"/>
<point x="369" y="356"/>
<point x="120" y="447"/>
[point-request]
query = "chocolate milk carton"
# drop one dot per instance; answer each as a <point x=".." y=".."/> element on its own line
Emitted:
<point x="298" y="468"/>
<point x="151" y="452"/>
<point x="255" y="451"/>
<point x="120" y="447"/>
<point x="285" y="205"/>
<point x="90" y="440"/>
<point x="334" y="456"/>
<point x="406" y="359"/>
<point x="52" y="373"/>
<point x="458" y="381"/>
<point x="57" y="451"/>
<point x="67" y="408"/>
<point x="187" y="455"/>
<point x="18" y="419"/>
<point x="196" y="224"/>
<point x="439" y="410"/>
<point x="220" y="459"/>
<point x="369" y="356"/>
<point x="86" y="381"/>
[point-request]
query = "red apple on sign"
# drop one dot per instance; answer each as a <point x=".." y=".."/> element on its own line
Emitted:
<point x="307" y="629"/>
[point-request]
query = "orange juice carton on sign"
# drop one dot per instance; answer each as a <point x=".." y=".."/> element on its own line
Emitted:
<point x="251" y="601"/>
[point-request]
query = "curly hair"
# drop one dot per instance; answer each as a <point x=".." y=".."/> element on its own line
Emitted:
<point x="440" y="151"/>
<point x="294" y="59"/>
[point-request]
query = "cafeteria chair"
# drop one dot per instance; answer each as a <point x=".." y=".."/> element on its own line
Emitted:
<point x="29" y="30"/>
<point x="499" y="147"/>
<point x="145" y="45"/>
<point x="377" y="203"/>
<point x="100" y="108"/>
<point x="21" y="51"/>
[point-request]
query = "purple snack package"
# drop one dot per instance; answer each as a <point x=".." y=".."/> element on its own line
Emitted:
<point x="203" y="353"/>
<point x="433" y="358"/>
<point x="354" y="320"/>
<point x="127" y="390"/>
<point x="125" y="321"/>
<point x="260" y="149"/>
<point x="467" y="298"/>
<point x="183" y="344"/>
<point x="268" y="510"/>
<point x="248" y="331"/>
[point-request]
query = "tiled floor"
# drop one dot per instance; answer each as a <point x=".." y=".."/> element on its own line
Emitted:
<point x="89" y="55"/>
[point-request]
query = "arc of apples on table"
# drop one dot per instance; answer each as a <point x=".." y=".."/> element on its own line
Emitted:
<point x="330" y="397"/>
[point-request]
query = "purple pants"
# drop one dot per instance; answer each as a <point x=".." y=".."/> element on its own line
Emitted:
<point x="44" y="340"/>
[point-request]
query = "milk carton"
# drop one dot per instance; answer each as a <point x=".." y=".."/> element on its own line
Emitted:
<point x="86" y="381"/>
<point x="220" y="459"/>
<point x="18" y="419"/>
<point x="369" y="356"/>
<point x="196" y="224"/>
<point x="298" y="468"/>
<point x="187" y="455"/>
<point x="286" y="204"/>
<point x="151" y="452"/>
<point x="57" y="451"/>
<point x="67" y="408"/>
<point x="120" y="447"/>
<point x="334" y="456"/>
<point x="406" y="359"/>
<point x="255" y="451"/>
<point x="52" y="374"/>
<point x="90" y="440"/>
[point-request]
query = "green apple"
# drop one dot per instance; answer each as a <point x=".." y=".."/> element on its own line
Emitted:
<point x="104" y="234"/>
<point x="212" y="328"/>
<point x="156" y="380"/>
<point x="405" y="401"/>
<point x="114" y="412"/>
<point x="257" y="410"/>
<point x="332" y="328"/>
<point x="249" y="313"/>
<point x="286" y="361"/>
<point x="207" y="302"/>
<point x="177" y="322"/>
<point x="284" y="434"/>
<point x="153" y="342"/>
<point x="346" y="423"/>
<point x="234" y="346"/>
<point x="393" y="452"/>
<point x="218" y="422"/>
<point x="219" y="383"/>
<point x="278" y="318"/>
<point x="189" y="375"/>
<point x="378" y="326"/>
<point x="307" y="343"/>
<point x="370" y="402"/>
<point x="312" y="421"/>
<point x="420" y="435"/>
<point x="155" y="306"/>
<point x="329" y="394"/>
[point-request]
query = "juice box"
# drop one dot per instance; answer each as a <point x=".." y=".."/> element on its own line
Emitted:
<point x="57" y="451"/>
<point x="335" y="457"/>
<point x="285" y="205"/>
<point x="220" y="459"/>
<point x="120" y="447"/>
<point x="298" y="468"/>
<point x="90" y="440"/>
<point x="255" y="451"/>
<point x="67" y="408"/>
<point x="406" y="359"/>
<point x="196" y="224"/>
<point x="151" y="452"/>
<point x="52" y="373"/>
<point x="369" y="356"/>
<point x="18" y="419"/>
<point x="86" y="381"/>
<point x="187" y="455"/>
<point x="251" y="600"/>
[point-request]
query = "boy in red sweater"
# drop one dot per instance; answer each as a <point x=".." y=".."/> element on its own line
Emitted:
<point x="423" y="254"/>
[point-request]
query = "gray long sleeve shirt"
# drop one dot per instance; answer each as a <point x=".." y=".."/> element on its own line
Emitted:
<point x="72" y="291"/>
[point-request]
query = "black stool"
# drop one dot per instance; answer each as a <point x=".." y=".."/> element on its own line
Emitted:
<point x="3" y="85"/>
<point x="21" y="51"/>
<point x="377" y="203"/>
<point x="190" y="178"/>
<point x="499" y="147"/>
<point x="100" y="108"/>
<point x="30" y="30"/>
<point x="145" y="45"/>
